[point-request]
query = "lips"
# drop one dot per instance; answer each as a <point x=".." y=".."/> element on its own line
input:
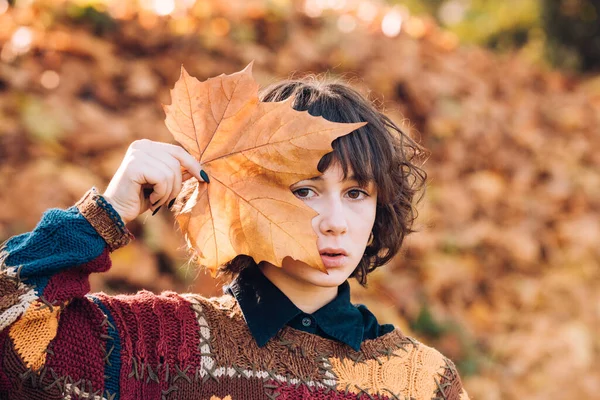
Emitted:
<point x="333" y="257"/>
<point x="329" y="251"/>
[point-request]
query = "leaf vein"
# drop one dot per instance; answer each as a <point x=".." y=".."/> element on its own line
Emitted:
<point x="246" y="128"/>
<point x="187" y="90"/>
<point x="263" y="214"/>
<point x="267" y="144"/>
<point x="218" y="122"/>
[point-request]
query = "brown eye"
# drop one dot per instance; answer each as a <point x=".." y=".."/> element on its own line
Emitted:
<point x="354" y="194"/>
<point x="302" y="193"/>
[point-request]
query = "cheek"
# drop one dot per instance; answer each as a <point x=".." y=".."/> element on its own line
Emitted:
<point x="363" y="221"/>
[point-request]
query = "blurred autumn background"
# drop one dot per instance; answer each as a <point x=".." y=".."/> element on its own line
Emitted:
<point x="503" y="274"/>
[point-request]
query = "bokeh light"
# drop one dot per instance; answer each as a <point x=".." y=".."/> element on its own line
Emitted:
<point x="220" y="26"/>
<point x="392" y="23"/>
<point x="164" y="7"/>
<point x="3" y="6"/>
<point x="415" y="27"/>
<point x="50" y="79"/>
<point x="452" y="12"/>
<point x="23" y="3"/>
<point x="336" y="4"/>
<point x="366" y="11"/>
<point x="19" y="43"/>
<point x="346" y="23"/>
<point x="159" y="7"/>
<point x="313" y="8"/>
<point x="21" y="40"/>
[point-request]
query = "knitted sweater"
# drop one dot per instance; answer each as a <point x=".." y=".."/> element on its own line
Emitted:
<point x="58" y="341"/>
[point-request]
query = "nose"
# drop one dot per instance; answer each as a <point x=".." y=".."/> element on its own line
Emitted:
<point x="333" y="219"/>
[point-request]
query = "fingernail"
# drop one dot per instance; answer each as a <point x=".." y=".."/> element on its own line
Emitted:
<point x="171" y="204"/>
<point x="204" y="176"/>
<point x="155" y="211"/>
<point x="155" y="203"/>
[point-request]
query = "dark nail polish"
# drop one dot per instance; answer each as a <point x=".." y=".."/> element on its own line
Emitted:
<point x="204" y="176"/>
<point x="155" y="203"/>
<point x="155" y="211"/>
<point x="171" y="204"/>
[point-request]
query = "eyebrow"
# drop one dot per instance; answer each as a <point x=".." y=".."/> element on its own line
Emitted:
<point x="320" y="178"/>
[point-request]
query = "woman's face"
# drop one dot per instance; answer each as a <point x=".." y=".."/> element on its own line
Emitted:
<point x="345" y="220"/>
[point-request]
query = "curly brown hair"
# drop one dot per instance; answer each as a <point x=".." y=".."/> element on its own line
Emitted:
<point x="379" y="151"/>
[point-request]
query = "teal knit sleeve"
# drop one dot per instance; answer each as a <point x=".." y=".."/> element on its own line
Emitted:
<point x="52" y="263"/>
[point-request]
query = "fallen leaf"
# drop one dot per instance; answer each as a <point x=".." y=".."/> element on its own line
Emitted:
<point x="252" y="152"/>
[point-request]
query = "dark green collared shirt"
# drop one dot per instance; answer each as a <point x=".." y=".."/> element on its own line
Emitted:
<point x="267" y="309"/>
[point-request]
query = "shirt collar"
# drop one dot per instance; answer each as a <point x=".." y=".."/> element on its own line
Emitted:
<point x="267" y="309"/>
<point x="341" y="320"/>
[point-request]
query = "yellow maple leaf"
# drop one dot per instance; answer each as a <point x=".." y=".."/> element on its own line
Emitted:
<point x="252" y="152"/>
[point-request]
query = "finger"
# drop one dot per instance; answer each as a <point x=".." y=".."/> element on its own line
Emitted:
<point x="186" y="160"/>
<point x="185" y="176"/>
<point x="175" y="168"/>
<point x="177" y="183"/>
<point x="161" y="177"/>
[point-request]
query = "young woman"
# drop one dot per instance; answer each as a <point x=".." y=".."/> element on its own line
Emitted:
<point x="285" y="332"/>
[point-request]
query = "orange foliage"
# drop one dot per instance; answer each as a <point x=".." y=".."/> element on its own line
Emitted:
<point x="503" y="275"/>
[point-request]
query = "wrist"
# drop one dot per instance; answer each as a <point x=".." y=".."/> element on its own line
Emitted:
<point x="116" y="208"/>
<point x="105" y="219"/>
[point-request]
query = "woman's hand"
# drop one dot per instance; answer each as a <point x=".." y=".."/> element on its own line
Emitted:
<point x="148" y="165"/>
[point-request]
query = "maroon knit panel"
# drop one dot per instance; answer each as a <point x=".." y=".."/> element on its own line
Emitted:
<point x="156" y="329"/>
<point x="4" y="381"/>
<point x="25" y="389"/>
<point x="74" y="282"/>
<point x="78" y="347"/>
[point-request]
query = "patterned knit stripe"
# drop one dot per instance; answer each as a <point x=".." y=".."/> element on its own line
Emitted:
<point x="73" y="391"/>
<point x="241" y="389"/>
<point x="15" y="296"/>
<point x="232" y="345"/>
<point x="207" y="362"/>
<point x="112" y="367"/>
<point x="209" y="369"/>
<point x="208" y="366"/>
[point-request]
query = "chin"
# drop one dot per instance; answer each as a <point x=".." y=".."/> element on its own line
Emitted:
<point x="301" y="271"/>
